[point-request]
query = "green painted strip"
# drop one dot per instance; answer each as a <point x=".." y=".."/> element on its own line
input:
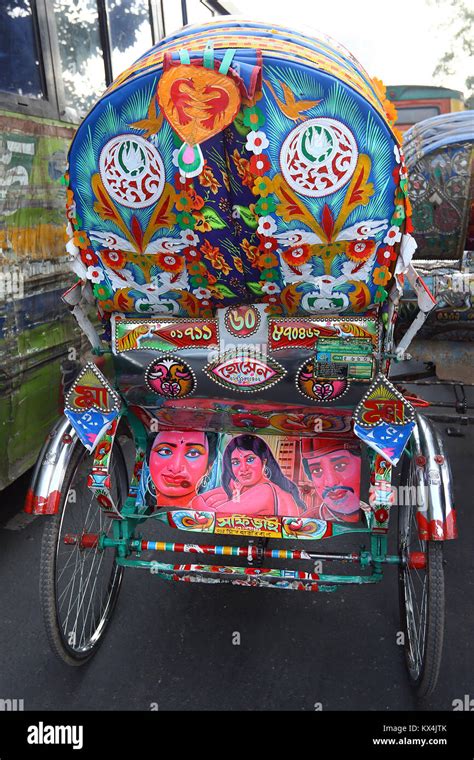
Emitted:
<point x="227" y="60"/>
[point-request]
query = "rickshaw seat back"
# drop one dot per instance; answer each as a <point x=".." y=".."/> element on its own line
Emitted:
<point x="234" y="164"/>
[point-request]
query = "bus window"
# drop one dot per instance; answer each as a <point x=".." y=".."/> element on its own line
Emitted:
<point x="77" y="23"/>
<point x="173" y="16"/>
<point x="130" y="32"/>
<point x="198" y="12"/>
<point x="414" y="114"/>
<point x="19" y="73"/>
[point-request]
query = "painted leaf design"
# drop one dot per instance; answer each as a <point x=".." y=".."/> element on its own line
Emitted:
<point x="290" y="298"/>
<point x="358" y="193"/>
<point x="105" y="207"/>
<point x="291" y="207"/>
<point x="327" y="221"/>
<point x="224" y="290"/>
<point x="248" y="217"/>
<point x="213" y="218"/>
<point x="162" y="215"/>
<point x="188" y="302"/>
<point x="360" y="296"/>
<point x="255" y="287"/>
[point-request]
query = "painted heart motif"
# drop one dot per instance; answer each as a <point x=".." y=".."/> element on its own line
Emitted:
<point x="197" y="102"/>
<point x="323" y="390"/>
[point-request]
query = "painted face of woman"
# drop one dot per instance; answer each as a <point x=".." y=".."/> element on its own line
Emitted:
<point x="178" y="461"/>
<point x="247" y="468"/>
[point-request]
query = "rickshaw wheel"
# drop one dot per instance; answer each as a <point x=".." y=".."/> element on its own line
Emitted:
<point x="421" y="590"/>
<point x="79" y="585"/>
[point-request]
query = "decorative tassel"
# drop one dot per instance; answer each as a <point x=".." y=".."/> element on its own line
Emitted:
<point x="190" y="160"/>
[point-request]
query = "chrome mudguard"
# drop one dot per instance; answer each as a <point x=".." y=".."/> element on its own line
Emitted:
<point x="44" y="494"/>
<point x="436" y="516"/>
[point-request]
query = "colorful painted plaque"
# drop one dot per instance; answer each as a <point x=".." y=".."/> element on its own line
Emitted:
<point x="254" y="480"/>
<point x="248" y="372"/>
<point x="322" y="382"/>
<point x="171" y="377"/>
<point x="384" y="419"/>
<point x="92" y="390"/>
<point x="383" y="403"/>
<point x="164" y="334"/>
<point x="285" y="333"/>
<point x="246" y="525"/>
<point x="242" y="321"/>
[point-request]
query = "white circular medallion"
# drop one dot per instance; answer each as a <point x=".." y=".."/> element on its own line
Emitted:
<point x="318" y="157"/>
<point x="132" y="171"/>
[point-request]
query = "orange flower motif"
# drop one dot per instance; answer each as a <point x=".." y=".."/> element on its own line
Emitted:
<point x="170" y="262"/>
<point x="226" y="181"/>
<point x="207" y="179"/>
<point x="267" y="261"/>
<point x="183" y="202"/>
<point x="263" y="186"/>
<point x="360" y="250"/>
<point x="215" y="257"/>
<point x="197" y="201"/>
<point x="202" y="225"/>
<point x="238" y="264"/>
<point x="251" y="251"/>
<point x="381" y="275"/>
<point x="297" y="255"/>
<point x="81" y="240"/>
<point x="243" y="169"/>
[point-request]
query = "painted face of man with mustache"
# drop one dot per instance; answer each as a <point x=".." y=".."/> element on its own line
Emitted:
<point x="336" y="477"/>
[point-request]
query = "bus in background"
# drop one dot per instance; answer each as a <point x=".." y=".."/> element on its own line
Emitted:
<point x="415" y="103"/>
<point x="56" y="58"/>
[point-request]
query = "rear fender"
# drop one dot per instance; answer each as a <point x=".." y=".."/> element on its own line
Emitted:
<point x="436" y="516"/>
<point x="44" y="494"/>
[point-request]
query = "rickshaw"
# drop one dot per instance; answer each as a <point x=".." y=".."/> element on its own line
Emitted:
<point x="439" y="153"/>
<point x="238" y="213"/>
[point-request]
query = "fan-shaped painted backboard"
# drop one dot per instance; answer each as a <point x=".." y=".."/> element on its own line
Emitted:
<point x="233" y="164"/>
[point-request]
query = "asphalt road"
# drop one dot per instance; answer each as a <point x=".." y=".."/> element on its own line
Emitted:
<point x="170" y="645"/>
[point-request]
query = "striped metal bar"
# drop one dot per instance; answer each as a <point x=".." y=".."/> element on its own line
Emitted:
<point x="250" y="552"/>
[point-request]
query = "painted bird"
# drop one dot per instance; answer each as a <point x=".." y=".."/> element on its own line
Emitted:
<point x="290" y="106"/>
<point x="152" y="123"/>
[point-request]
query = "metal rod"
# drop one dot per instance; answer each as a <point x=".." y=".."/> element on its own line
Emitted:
<point x="241" y="551"/>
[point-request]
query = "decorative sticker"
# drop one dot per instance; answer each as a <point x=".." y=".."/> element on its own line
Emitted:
<point x="247" y="372"/>
<point x="171" y="377"/>
<point x="164" y="334"/>
<point x="387" y="440"/>
<point x="303" y="527"/>
<point x="355" y="354"/>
